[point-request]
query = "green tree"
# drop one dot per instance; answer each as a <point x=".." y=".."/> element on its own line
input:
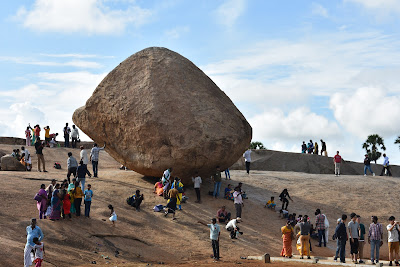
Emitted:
<point x="397" y="141"/>
<point x="256" y="145"/>
<point x="372" y="145"/>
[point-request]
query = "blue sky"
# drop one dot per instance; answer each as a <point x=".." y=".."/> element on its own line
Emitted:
<point x="297" y="70"/>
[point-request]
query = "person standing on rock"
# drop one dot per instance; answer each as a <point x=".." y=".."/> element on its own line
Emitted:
<point x="28" y="136"/>
<point x="354" y="234"/>
<point x="393" y="240"/>
<point x="323" y="148"/>
<point x="310" y="147"/>
<point x="320" y="227"/>
<point x="238" y="201"/>
<point x="215" y="233"/>
<point x="166" y="176"/>
<point x="28" y="160"/>
<point x="66" y="131"/>
<point x="32" y="231"/>
<point x="375" y="236"/>
<point x="81" y="172"/>
<point x="304" y="234"/>
<point x="361" y="241"/>
<point x="337" y="159"/>
<point x="37" y="131"/>
<point x="316" y="148"/>
<point x="72" y="165"/>
<point x="94" y="157"/>
<point x="386" y="167"/>
<point x="39" y="153"/>
<point x="47" y="135"/>
<point x="284" y="198"/>
<point x="341" y="235"/>
<point x="287" y="236"/>
<point x="217" y="182"/>
<point x="84" y="156"/>
<point x="171" y="205"/>
<point x="178" y="186"/>
<point x="74" y="136"/>
<point x="367" y="165"/>
<point x="196" y="183"/>
<point x="247" y="159"/>
<point x="303" y="148"/>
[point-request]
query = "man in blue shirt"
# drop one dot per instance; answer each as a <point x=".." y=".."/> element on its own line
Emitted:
<point x="32" y="231"/>
<point x="88" y="200"/>
<point x="215" y="232"/>
<point x="386" y="166"/>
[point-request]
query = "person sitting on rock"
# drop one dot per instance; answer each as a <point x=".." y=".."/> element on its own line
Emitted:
<point x="16" y="154"/>
<point x="271" y="204"/>
<point x="158" y="188"/>
<point x="229" y="192"/>
<point x="137" y="199"/>
<point x="223" y="215"/>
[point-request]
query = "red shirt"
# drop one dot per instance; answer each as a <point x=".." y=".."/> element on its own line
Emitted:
<point x="338" y="158"/>
<point x="37" y="131"/>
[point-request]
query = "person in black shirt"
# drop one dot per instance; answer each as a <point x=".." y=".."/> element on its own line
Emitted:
<point x="367" y="165"/>
<point x="303" y="147"/>
<point x="341" y="235"/>
<point x="283" y="197"/>
<point x="323" y="148"/>
<point x="39" y="153"/>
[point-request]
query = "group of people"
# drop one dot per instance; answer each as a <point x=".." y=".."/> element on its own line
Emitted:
<point x="312" y="148"/>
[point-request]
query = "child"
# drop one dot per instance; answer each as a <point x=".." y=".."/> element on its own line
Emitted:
<point x="39" y="252"/>
<point x="88" y="200"/>
<point x="113" y="217"/>
<point x="270" y="204"/>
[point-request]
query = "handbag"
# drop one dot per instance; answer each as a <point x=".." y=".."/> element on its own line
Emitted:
<point x="38" y="197"/>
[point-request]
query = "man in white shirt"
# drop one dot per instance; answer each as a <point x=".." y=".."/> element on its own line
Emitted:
<point x="74" y="136"/>
<point x="232" y="227"/>
<point x="197" y="182"/>
<point x="247" y="159"/>
<point x="238" y="201"/>
<point x="393" y="240"/>
<point x="166" y="176"/>
<point x="94" y="157"/>
<point x="28" y="160"/>
<point x="84" y="156"/>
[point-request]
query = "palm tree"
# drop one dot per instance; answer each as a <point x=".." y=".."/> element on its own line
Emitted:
<point x="256" y="145"/>
<point x="397" y="141"/>
<point x="372" y="145"/>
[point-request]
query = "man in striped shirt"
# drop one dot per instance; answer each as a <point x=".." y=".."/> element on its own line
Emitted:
<point x="375" y="236"/>
<point x="320" y="227"/>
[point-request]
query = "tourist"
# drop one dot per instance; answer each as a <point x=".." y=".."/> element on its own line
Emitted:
<point x="284" y="198"/>
<point x="233" y="228"/>
<point x="49" y="191"/>
<point x="354" y="230"/>
<point x="84" y="156"/>
<point x="270" y="204"/>
<point x="158" y="188"/>
<point x="244" y="196"/>
<point x="196" y="184"/>
<point x="27" y="158"/>
<point x="304" y="234"/>
<point x="166" y="176"/>
<point x="53" y="142"/>
<point x="74" y="136"/>
<point x="361" y="241"/>
<point x="47" y="135"/>
<point x="37" y="131"/>
<point x="310" y="147"/>
<point x="215" y="232"/>
<point x="81" y="173"/>
<point x="238" y="201"/>
<point x="341" y="235"/>
<point x="39" y="154"/>
<point x="66" y="131"/>
<point x="303" y="148"/>
<point x="88" y="200"/>
<point x="33" y="140"/>
<point x="367" y="165"/>
<point x="393" y="240"/>
<point x="217" y="182"/>
<point x="42" y="202"/>
<point x="316" y="148"/>
<point x="323" y="148"/>
<point x="229" y="192"/>
<point x="320" y="227"/>
<point x="66" y="209"/>
<point x="78" y="194"/>
<point x="223" y="215"/>
<point x="71" y="187"/>
<point x="287" y="236"/>
<point x="39" y="252"/>
<point x="56" y="204"/>
<point x="386" y="167"/>
<point x="375" y="236"/>
<point x="94" y="157"/>
<point x="247" y="159"/>
<point x="171" y="204"/>
<point x="337" y="241"/>
<point x="32" y="231"/>
<point x="113" y="215"/>
<point x="179" y="186"/>
<point x="28" y="136"/>
<point x="72" y="166"/>
<point x="227" y="174"/>
<point x="15" y="154"/>
<point x="337" y="159"/>
<point x="137" y="199"/>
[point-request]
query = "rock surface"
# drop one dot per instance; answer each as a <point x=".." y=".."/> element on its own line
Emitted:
<point x="158" y="110"/>
<point x="9" y="163"/>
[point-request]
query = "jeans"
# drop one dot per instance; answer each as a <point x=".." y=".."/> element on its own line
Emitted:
<point x="375" y="245"/>
<point x="321" y="234"/>
<point x="342" y="250"/>
<point x="87" y="208"/>
<point x="367" y="167"/>
<point x="388" y="171"/>
<point x="215" y="247"/>
<point x="337" y="249"/>
<point x="197" y="194"/>
<point x="83" y="181"/>
<point x="248" y="167"/>
<point x="95" y="165"/>
<point x="227" y="174"/>
<point x="73" y="141"/>
<point x="66" y="140"/>
<point x="217" y="187"/>
<point x="238" y="208"/>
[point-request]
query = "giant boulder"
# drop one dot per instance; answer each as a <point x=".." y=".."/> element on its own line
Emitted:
<point x="158" y="110"/>
<point x="9" y="163"/>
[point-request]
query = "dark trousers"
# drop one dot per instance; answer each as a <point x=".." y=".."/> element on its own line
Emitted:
<point x="197" y="194"/>
<point x="87" y="208"/>
<point x="226" y="218"/>
<point x="215" y="247"/>
<point x="71" y="171"/>
<point x="233" y="231"/>
<point x="388" y="171"/>
<point x="95" y="165"/>
<point x="354" y="246"/>
<point x="321" y="234"/>
<point x="77" y="204"/>
<point x="285" y="201"/>
<point x="238" y="208"/>
<point x="248" y="167"/>
<point x="73" y="142"/>
<point x="66" y="140"/>
<point x="136" y="203"/>
<point x="342" y="250"/>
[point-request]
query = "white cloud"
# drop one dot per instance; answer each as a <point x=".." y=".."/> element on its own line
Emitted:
<point x="228" y="12"/>
<point x="73" y="63"/>
<point x="379" y="8"/>
<point x="88" y="16"/>
<point x="367" y="111"/>
<point x="75" y="55"/>
<point x="319" y="10"/>
<point x="177" y="32"/>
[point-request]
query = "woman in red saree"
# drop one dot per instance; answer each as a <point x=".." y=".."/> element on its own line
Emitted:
<point x="287" y="234"/>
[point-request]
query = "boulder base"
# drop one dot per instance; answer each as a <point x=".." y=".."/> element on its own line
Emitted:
<point x="158" y="110"/>
<point x="9" y="163"/>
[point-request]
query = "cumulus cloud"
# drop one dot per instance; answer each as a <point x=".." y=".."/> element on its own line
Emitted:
<point x="176" y="32"/>
<point x="229" y="12"/>
<point x="88" y="16"/>
<point x="367" y="111"/>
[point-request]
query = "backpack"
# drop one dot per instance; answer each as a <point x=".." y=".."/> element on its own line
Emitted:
<point x="57" y="165"/>
<point x="130" y="200"/>
<point x="158" y="208"/>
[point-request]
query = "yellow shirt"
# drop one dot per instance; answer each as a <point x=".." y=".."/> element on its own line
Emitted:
<point x="270" y="202"/>
<point x="47" y="132"/>
<point x="78" y="192"/>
